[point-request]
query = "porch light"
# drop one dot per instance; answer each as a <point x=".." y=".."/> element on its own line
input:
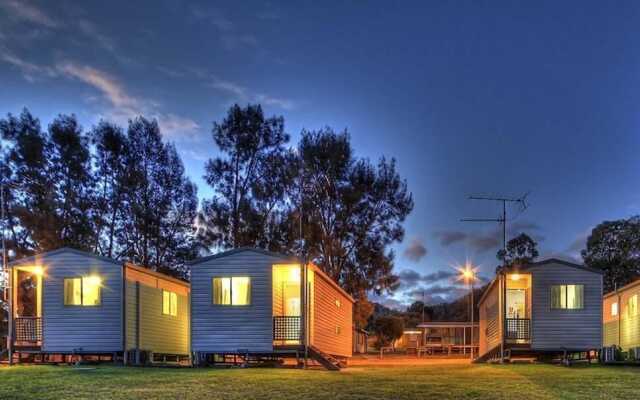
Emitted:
<point x="93" y="280"/>
<point x="515" y="277"/>
<point x="37" y="270"/>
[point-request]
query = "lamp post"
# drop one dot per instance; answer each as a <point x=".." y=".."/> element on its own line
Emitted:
<point x="469" y="275"/>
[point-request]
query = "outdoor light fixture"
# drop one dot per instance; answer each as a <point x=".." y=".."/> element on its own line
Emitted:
<point x="37" y="271"/>
<point x="94" y="280"/>
<point x="515" y="277"/>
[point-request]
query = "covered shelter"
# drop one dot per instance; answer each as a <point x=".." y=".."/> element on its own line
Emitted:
<point x="444" y="337"/>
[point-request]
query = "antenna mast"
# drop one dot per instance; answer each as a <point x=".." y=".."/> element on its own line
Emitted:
<point x="522" y="201"/>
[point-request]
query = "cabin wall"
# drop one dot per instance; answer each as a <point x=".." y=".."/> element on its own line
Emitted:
<point x="159" y="333"/>
<point x="220" y="329"/>
<point x="332" y="324"/>
<point x="624" y="329"/>
<point x="610" y="323"/>
<point x="571" y="329"/>
<point x="75" y="328"/>
<point x="489" y="325"/>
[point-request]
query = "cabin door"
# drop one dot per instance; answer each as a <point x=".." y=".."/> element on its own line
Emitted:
<point x="27" y="311"/>
<point x="28" y="301"/>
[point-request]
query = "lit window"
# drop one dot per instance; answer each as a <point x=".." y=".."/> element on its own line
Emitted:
<point x="169" y="303"/>
<point x="338" y="303"/>
<point x="83" y="291"/>
<point x="338" y="330"/>
<point x="632" y="305"/>
<point x="235" y="291"/>
<point x="614" y="309"/>
<point x="569" y="297"/>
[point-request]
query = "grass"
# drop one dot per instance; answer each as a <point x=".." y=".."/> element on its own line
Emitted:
<point x="400" y="382"/>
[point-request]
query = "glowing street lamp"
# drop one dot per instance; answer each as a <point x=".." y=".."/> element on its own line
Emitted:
<point x="468" y="274"/>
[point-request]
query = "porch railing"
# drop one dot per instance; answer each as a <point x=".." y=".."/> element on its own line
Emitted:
<point x="287" y="328"/>
<point x="28" y="329"/>
<point x="518" y="328"/>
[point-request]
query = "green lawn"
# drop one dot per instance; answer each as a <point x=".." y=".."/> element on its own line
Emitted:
<point x="424" y="382"/>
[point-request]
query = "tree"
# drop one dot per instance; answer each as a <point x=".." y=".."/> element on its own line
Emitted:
<point x="50" y="177"/>
<point x="351" y="212"/>
<point x="388" y="329"/>
<point x="362" y="311"/>
<point x="160" y="202"/>
<point x="250" y="179"/>
<point x="521" y="250"/>
<point x="112" y="153"/>
<point x="614" y="247"/>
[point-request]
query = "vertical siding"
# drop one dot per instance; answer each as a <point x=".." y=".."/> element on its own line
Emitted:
<point x="572" y="329"/>
<point x="623" y="329"/>
<point x="131" y="315"/>
<point x="217" y="328"/>
<point x="489" y="326"/>
<point x="88" y="329"/>
<point x="328" y="316"/>
<point x="161" y="333"/>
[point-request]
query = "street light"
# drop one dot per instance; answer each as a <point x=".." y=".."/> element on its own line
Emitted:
<point x="468" y="274"/>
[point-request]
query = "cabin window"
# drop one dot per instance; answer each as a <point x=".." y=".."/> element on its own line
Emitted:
<point x="568" y="297"/>
<point x="614" y="309"/>
<point x="83" y="291"/>
<point x="232" y="291"/>
<point x="338" y="330"/>
<point x="632" y="305"/>
<point x="338" y="303"/>
<point x="169" y="303"/>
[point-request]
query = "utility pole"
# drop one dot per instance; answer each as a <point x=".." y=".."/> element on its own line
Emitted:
<point x="503" y="219"/>
<point x="5" y="279"/>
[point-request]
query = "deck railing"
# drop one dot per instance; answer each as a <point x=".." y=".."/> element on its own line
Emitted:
<point x="28" y="329"/>
<point x="287" y="328"/>
<point x="518" y="329"/>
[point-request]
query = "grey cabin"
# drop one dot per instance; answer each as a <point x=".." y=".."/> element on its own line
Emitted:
<point x="551" y="307"/>
<point x="251" y="302"/>
<point x="67" y="304"/>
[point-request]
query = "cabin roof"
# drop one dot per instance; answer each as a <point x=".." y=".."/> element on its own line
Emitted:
<point x="623" y="288"/>
<point x="36" y="257"/>
<point x="527" y="267"/>
<point x="159" y="275"/>
<point x="241" y="250"/>
<point x="448" y="324"/>
<point x="274" y="255"/>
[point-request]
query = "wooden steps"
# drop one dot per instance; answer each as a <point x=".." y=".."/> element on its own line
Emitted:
<point x="324" y="359"/>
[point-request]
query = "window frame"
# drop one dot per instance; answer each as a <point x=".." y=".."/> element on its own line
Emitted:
<point x="614" y="307"/>
<point x="173" y="297"/>
<point x="632" y="312"/>
<point x="81" y="278"/>
<point x="231" y="304"/>
<point x="566" y="297"/>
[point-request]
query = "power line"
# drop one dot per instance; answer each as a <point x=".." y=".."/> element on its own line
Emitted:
<point x="522" y="201"/>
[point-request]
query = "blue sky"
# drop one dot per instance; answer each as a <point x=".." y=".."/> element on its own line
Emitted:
<point x="493" y="98"/>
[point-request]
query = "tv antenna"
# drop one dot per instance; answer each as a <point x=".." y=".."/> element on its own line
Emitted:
<point x="521" y="201"/>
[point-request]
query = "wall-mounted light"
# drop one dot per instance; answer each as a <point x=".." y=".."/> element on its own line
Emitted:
<point x="515" y="277"/>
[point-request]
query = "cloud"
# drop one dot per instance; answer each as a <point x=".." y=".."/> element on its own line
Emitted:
<point x="484" y="241"/>
<point x="230" y="36"/>
<point x="447" y="238"/>
<point x="438" y="276"/>
<point x="239" y="93"/>
<point x="123" y="106"/>
<point x="410" y="278"/>
<point x="24" y="11"/>
<point x="30" y="71"/>
<point x="415" y="251"/>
